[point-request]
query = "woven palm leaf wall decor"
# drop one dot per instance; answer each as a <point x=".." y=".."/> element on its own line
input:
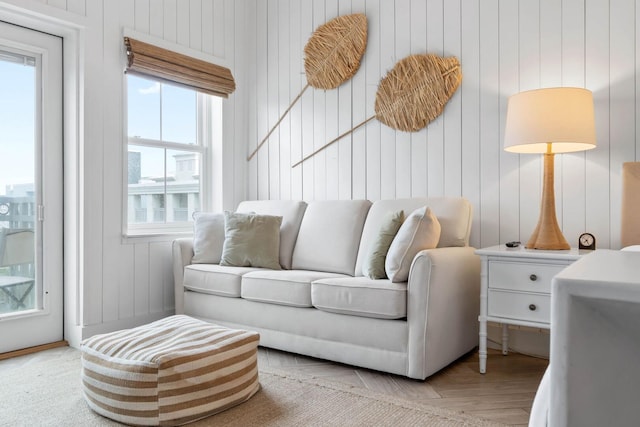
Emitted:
<point x="412" y="94"/>
<point x="332" y="56"/>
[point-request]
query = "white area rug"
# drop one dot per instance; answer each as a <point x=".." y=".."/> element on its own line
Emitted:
<point x="46" y="392"/>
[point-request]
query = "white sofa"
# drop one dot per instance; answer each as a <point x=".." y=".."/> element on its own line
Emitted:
<point x="321" y="305"/>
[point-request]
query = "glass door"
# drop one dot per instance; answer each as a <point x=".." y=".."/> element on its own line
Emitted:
<point x="30" y="188"/>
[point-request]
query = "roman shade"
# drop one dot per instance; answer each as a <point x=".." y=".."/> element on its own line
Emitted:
<point x="176" y="68"/>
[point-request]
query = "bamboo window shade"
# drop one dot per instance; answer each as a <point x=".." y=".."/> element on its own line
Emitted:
<point x="176" y="68"/>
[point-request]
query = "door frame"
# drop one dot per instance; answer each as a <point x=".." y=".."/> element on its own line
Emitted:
<point x="44" y="323"/>
<point x="73" y="30"/>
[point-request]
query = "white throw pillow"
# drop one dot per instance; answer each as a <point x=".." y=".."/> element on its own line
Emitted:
<point x="208" y="238"/>
<point x="421" y="230"/>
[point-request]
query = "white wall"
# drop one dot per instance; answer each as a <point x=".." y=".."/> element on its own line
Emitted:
<point x="125" y="282"/>
<point x="505" y="47"/>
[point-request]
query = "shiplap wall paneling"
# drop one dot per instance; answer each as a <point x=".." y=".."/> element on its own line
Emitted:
<point x="60" y="4"/>
<point x="195" y="24"/>
<point x="373" y="74"/>
<point x="156" y="19"/>
<point x="93" y="197"/>
<point x="253" y="134"/>
<point x="331" y="124"/>
<point x="571" y="190"/>
<point x="508" y="15"/>
<point x="622" y="103"/>
<point x="529" y="166"/>
<point x="307" y="106"/>
<point x="353" y="111"/>
<point x="490" y="144"/>
<point x="387" y="135"/>
<point x="470" y="111"/>
<point x="319" y="119"/>
<point x="550" y="76"/>
<point x="402" y="49"/>
<point x="435" y="131"/>
<point x="262" y="99"/>
<point x="597" y="42"/>
<point x="129" y="280"/>
<point x="273" y="149"/>
<point x="141" y="16"/>
<point x="344" y="147"/>
<point x="228" y="43"/>
<point x="111" y="58"/>
<point x="182" y="22"/>
<point x="296" y="83"/>
<point x="141" y="283"/>
<point x="169" y="25"/>
<point x="161" y="297"/>
<point x="637" y="93"/>
<point x="453" y="119"/>
<point x="77" y="7"/>
<point x="284" y="97"/>
<point x="124" y="274"/>
<point x="418" y="142"/>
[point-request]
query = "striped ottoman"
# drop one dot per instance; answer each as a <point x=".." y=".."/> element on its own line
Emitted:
<point x="169" y="372"/>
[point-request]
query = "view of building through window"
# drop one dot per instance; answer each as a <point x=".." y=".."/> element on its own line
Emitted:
<point x="165" y="152"/>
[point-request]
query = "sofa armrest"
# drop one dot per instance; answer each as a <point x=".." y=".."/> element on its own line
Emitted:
<point x="182" y="254"/>
<point x="443" y="304"/>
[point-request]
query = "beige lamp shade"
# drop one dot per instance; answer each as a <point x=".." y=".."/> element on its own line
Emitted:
<point x="562" y="117"/>
<point x="549" y="121"/>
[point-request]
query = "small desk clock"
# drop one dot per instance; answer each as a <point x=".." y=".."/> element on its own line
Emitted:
<point x="587" y="241"/>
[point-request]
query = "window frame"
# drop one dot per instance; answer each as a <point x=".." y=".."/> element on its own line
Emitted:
<point x="206" y="108"/>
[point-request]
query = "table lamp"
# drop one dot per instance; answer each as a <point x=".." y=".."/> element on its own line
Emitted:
<point x="549" y="121"/>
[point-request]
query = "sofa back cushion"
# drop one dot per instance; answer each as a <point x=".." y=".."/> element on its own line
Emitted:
<point x="329" y="236"/>
<point x="453" y="213"/>
<point x="291" y="212"/>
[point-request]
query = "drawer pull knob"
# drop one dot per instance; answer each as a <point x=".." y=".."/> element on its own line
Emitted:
<point x="532" y="307"/>
<point x="533" y="277"/>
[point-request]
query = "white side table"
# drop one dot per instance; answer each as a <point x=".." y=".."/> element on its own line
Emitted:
<point x="516" y="289"/>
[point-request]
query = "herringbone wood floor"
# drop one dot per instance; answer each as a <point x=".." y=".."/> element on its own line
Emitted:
<point x="505" y="393"/>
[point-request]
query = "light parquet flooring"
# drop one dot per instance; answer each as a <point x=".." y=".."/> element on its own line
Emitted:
<point x="504" y="394"/>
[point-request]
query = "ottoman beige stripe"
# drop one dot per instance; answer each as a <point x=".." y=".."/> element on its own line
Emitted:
<point x="170" y="372"/>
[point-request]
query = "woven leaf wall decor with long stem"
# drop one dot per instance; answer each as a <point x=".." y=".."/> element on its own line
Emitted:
<point x="332" y="56"/>
<point x="412" y="94"/>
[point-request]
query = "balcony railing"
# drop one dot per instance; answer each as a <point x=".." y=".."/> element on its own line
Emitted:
<point x="181" y="214"/>
<point x="141" y="215"/>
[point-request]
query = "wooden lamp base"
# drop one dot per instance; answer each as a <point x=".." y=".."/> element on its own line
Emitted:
<point x="547" y="234"/>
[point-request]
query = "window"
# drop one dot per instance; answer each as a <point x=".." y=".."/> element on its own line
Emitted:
<point x="168" y="154"/>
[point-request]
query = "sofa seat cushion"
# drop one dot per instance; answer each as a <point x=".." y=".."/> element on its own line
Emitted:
<point x="360" y="296"/>
<point x="285" y="287"/>
<point x="215" y="279"/>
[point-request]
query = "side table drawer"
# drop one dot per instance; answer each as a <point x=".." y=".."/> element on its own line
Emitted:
<point x="522" y="276"/>
<point x="520" y="306"/>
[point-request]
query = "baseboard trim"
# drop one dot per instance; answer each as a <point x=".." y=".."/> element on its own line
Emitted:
<point x="31" y="350"/>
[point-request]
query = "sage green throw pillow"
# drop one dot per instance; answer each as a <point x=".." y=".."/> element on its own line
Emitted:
<point x="251" y="240"/>
<point x="373" y="266"/>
